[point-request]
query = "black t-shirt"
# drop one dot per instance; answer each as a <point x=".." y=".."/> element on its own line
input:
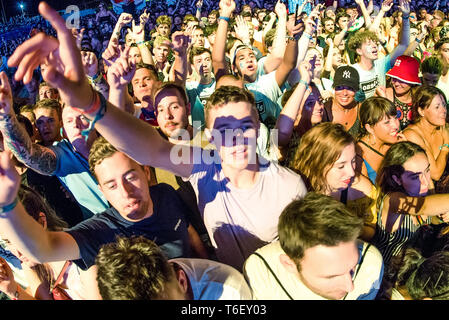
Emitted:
<point x="167" y="227"/>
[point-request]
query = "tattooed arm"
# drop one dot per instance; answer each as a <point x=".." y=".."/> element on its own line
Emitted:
<point x="16" y="139"/>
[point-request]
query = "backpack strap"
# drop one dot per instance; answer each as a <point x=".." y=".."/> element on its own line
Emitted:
<point x="275" y="277"/>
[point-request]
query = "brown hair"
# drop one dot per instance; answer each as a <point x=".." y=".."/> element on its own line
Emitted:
<point x="318" y="150"/>
<point x="100" y="150"/>
<point x="316" y="220"/>
<point x="373" y="110"/>
<point x="132" y="269"/>
<point x="228" y="94"/>
<point x="423" y="97"/>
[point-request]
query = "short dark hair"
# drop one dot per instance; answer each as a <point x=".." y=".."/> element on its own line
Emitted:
<point x="315" y="220"/>
<point x="51" y="104"/>
<point x="100" y="150"/>
<point x="132" y="269"/>
<point x="227" y="94"/>
<point x="151" y="68"/>
<point x="171" y="86"/>
<point x="196" y="51"/>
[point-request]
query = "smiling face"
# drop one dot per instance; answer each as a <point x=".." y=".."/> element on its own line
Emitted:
<point x="235" y="128"/>
<point x="400" y="87"/>
<point x="435" y="114"/>
<point x="342" y="172"/>
<point x="386" y="130"/>
<point x="124" y="183"/>
<point x="313" y="106"/>
<point x="172" y="113"/>
<point x="328" y="271"/>
<point x="344" y="95"/>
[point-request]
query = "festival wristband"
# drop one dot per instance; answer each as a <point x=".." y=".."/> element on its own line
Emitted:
<point x="304" y="83"/>
<point x="224" y="18"/>
<point x="444" y="145"/>
<point x="10" y="206"/>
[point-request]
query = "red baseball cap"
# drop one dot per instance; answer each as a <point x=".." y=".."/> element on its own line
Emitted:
<point x="405" y="69"/>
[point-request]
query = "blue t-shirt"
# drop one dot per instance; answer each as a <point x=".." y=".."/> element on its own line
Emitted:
<point x="167" y="227"/>
<point x="73" y="172"/>
<point x="198" y="95"/>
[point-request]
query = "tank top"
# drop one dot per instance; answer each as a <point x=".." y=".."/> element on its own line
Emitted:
<point x="391" y="243"/>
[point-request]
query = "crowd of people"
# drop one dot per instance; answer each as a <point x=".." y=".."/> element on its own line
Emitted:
<point x="216" y="151"/>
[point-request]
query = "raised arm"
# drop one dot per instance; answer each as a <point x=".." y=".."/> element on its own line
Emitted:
<point x="274" y="59"/>
<point x="128" y="134"/>
<point x="138" y="34"/>
<point x="365" y="12"/>
<point x="386" y="6"/>
<point x="227" y="7"/>
<point x="180" y="43"/>
<point x="16" y="139"/>
<point x="120" y="73"/>
<point x="22" y="230"/>
<point x="405" y="32"/>
<point x="124" y="19"/>
<point x="292" y="109"/>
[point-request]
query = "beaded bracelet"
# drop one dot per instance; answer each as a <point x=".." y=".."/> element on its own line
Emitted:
<point x="444" y="145"/>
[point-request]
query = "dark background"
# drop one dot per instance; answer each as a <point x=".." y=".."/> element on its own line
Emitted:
<point x="12" y="8"/>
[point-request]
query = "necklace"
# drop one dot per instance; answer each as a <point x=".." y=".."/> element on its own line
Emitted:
<point x="371" y="148"/>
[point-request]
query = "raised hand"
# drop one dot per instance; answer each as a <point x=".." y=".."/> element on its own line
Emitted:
<point x="5" y="95"/>
<point x="124" y="19"/>
<point x="281" y="10"/>
<point x="199" y="4"/>
<point x="241" y="29"/>
<point x="64" y="69"/>
<point x="227" y="7"/>
<point x="9" y="179"/>
<point x="305" y="71"/>
<point x="404" y="5"/>
<point x="387" y="5"/>
<point x="180" y="41"/>
<point x="90" y="63"/>
<point x="137" y="32"/>
<point x="144" y="17"/>
<point x="121" y="72"/>
<point x="112" y="52"/>
<point x="78" y="36"/>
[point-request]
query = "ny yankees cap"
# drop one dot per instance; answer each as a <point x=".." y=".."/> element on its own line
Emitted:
<point x="347" y="76"/>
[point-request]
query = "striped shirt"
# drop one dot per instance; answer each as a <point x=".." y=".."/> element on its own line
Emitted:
<point x="391" y="243"/>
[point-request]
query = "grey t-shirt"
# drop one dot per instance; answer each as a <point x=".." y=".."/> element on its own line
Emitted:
<point x="239" y="221"/>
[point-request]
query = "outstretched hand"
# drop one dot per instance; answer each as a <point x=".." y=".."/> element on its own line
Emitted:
<point x="7" y="283"/>
<point x="63" y="59"/>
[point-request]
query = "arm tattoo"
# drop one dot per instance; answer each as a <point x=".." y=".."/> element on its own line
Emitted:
<point x="38" y="158"/>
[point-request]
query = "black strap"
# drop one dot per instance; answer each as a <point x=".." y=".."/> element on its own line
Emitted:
<point x="272" y="272"/>
<point x="359" y="265"/>
<point x="344" y="196"/>
<point x="371" y="148"/>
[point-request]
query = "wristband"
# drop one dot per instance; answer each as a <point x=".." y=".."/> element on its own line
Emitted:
<point x="308" y="35"/>
<point x="304" y="83"/>
<point x="10" y="206"/>
<point x="291" y="38"/>
<point x="99" y="99"/>
<point x="444" y="145"/>
<point x="417" y="40"/>
<point x="405" y="17"/>
<point x="224" y="18"/>
<point x="140" y="42"/>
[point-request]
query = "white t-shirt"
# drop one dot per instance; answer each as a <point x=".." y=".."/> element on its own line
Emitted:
<point x="370" y="80"/>
<point x="265" y="286"/>
<point x="211" y="280"/>
<point x="239" y="221"/>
